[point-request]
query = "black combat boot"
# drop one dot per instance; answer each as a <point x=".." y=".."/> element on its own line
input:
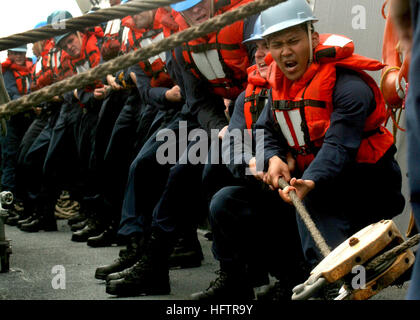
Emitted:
<point x="126" y="259"/>
<point x="77" y="218"/>
<point x="26" y="220"/>
<point x="12" y="219"/>
<point x="276" y="292"/>
<point x="106" y="238"/>
<point x="150" y="275"/>
<point x="38" y="224"/>
<point x="92" y="228"/>
<point x="118" y="275"/>
<point x="297" y="272"/>
<point x="78" y="226"/>
<point x="15" y="213"/>
<point x="18" y="213"/>
<point x="43" y="219"/>
<point x="187" y="253"/>
<point x="228" y="286"/>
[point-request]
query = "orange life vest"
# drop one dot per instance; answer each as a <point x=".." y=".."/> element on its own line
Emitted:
<point x="256" y="96"/>
<point x="22" y="74"/>
<point x="154" y="67"/>
<point x="89" y="57"/>
<point x="58" y="68"/>
<point x="303" y="108"/>
<point x="219" y="57"/>
<point x="97" y="31"/>
<point x="395" y="75"/>
<point x="41" y="67"/>
<point x="167" y="21"/>
<point x="115" y="35"/>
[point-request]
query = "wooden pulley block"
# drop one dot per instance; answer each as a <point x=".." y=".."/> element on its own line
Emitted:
<point x="357" y="250"/>
<point x="400" y="265"/>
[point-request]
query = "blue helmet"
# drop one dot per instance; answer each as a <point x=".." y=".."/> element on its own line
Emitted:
<point x="285" y="15"/>
<point x="22" y="48"/>
<point x="257" y="33"/>
<point x="56" y="18"/>
<point x="40" y="24"/>
<point x="184" y="5"/>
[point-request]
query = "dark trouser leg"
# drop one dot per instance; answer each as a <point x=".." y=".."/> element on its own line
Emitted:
<point x="216" y="175"/>
<point x="146" y="181"/>
<point x="117" y="159"/>
<point x="254" y="225"/>
<point x="108" y="115"/>
<point x="16" y="128"/>
<point x="61" y="163"/>
<point x="33" y="162"/>
<point x="85" y="146"/>
<point x="179" y="211"/>
<point x="28" y="139"/>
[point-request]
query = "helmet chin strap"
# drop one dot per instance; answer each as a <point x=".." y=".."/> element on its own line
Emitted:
<point x="311" y="53"/>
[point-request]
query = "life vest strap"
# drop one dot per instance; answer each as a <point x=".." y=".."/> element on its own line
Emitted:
<point x="367" y="134"/>
<point x="203" y="47"/>
<point x="286" y="105"/>
<point x="221" y="3"/>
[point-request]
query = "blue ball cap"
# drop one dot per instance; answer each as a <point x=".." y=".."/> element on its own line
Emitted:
<point x="184" y="5"/>
<point x="22" y="48"/>
<point x="58" y="17"/>
<point x="57" y="39"/>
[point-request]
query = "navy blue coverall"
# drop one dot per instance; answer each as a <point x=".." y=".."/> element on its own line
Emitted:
<point x="16" y="128"/>
<point x="348" y="195"/>
<point x="254" y="230"/>
<point x="184" y="202"/>
<point x="138" y="119"/>
<point x="146" y="176"/>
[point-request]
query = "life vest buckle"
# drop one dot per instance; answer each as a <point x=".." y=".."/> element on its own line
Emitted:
<point x="302" y="151"/>
<point x="282" y="105"/>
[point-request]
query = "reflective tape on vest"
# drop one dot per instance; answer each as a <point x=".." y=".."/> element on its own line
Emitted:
<point x="336" y="41"/>
<point x="53" y="62"/>
<point x="83" y="67"/>
<point x="126" y="32"/>
<point x="208" y="63"/>
<point x="38" y="66"/>
<point x="113" y="27"/>
<point x="28" y="84"/>
<point x="290" y="123"/>
<point x="148" y="41"/>
<point x="56" y="60"/>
